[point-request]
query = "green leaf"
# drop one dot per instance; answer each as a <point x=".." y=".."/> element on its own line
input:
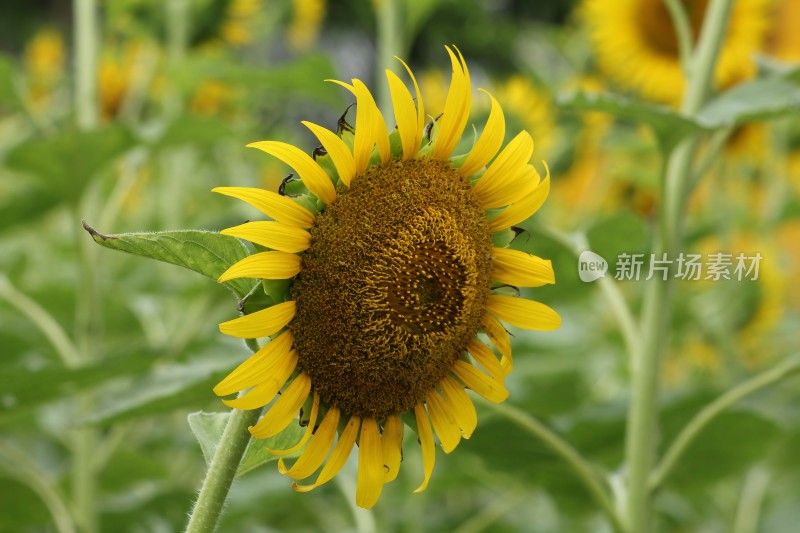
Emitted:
<point x="8" y="91"/>
<point x="208" y="428"/>
<point x="622" y="232"/>
<point x="256" y="453"/>
<point x="205" y="252"/>
<point x="725" y="448"/>
<point x="165" y="389"/>
<point x="670" y="126"/>
<point x="755" y="101"/>
<point x="194" y="129"/>
<point x="294" y="79"/>
<point x="65" y="163"/>
<point x="24" y="390"/>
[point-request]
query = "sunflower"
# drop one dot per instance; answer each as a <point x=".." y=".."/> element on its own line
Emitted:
<point x="396" y="261"/>
<point x="637" y="48"/>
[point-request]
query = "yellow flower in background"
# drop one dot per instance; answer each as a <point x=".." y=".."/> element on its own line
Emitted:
<point x="307" y="17"/>
<point x="236" y="29"/>
<point x="214" y="98"/>
<point x="395" y="261"/>
<point x="637" y="48"/>
<point x="531" y="105"/>
<point x="435" y="88"/>
<point x="114" y="76"/>
<point x="44" y="61"/>
<point x="784" y="39"/>
<point x="581" y="188"/>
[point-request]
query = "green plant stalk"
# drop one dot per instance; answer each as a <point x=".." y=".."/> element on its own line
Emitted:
<point x="390" y="44"/>
<point x="47" y="325"/>
<point x="656" y="314"/>
<point x="19" y="465"/>
<point x="754" y="489"/>
<point x="579" y="465"/>
<point x="577" y="243"/>
<point x="683" y="29"/>
<point x="83" y="440"/>
<point x="711" y="411"/>
<point x="84" y="13"/>
<point x="219" y="477"/>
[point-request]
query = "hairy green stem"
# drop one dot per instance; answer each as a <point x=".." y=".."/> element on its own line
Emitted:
<point x="585" y="472"/>
<point x="656" y="314"/>
<point x="219" y="477"/>
<point x="707" y="414"/>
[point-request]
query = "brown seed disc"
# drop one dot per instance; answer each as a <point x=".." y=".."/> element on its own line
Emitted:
<point x="392" y="288"/>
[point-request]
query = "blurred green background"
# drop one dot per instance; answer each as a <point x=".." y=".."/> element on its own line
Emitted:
<point x="127" y="347"/>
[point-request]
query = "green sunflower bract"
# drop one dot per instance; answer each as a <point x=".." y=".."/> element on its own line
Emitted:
<point x="391" y="281"/>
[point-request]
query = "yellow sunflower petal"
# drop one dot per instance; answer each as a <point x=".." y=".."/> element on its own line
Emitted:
<point x="266" y="265"/>
<point x="264" y="392"/>
<point x="392" y="446"/>
<point x="273" y="205"/>
<point x="314" y="178"/>
<point x="460" y="404"/>
<point x="456" y="108"/>
<point x="523" y="209"/>
<point x="521" y="269"/>
<point x="485" y="357"/>
<point x="370" y="126"/>
<point x="338" y="458"/>
<point x="444" y="424"/>
<point x="507" y="165"/>
<point x="370" y="465"/>
<point x="428" y="446"/>
<point x="284" y="409"/>
<point x="340" y="154"/>
<point x="480" y="382"/>
<point x="526" y="314"/>
<point x="275" y="235"/>
<point x="312" y="420"/>
<point x="405" y="115"/>
<point x="380" y="133"/>
<point x="509" y="190"/>
<point x="317" y="450"/>
<point x="257" y="367"/>
<point x="420" y="108"/>
<point x="261" y="323"/>
<point x="489" y="142"/>
<point x="499" y="337"/>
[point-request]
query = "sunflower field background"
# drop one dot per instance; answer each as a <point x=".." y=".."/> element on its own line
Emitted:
<point x="108" y="361"/>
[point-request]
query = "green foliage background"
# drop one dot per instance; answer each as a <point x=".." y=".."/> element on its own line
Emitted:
<point x="122" y="349"/>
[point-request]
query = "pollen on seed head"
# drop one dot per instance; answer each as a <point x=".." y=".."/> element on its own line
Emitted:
<point x="392" y="288"/>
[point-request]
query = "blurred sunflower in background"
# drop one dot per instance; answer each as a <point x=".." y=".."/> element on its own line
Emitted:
<point x="388" y="267"/>
<point x="307" y="18"/>
<point x="637" y="47"/>
<point x="44" y="62"/>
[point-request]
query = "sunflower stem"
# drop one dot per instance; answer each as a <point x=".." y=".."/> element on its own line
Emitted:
<point x="390" y="43"/>
<point x="221" y="471"/>
<point x="656" y="314"/>
<point x="87" y="315"/>
<point x="683" y="31"/>
<point x="584" y="470"/>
